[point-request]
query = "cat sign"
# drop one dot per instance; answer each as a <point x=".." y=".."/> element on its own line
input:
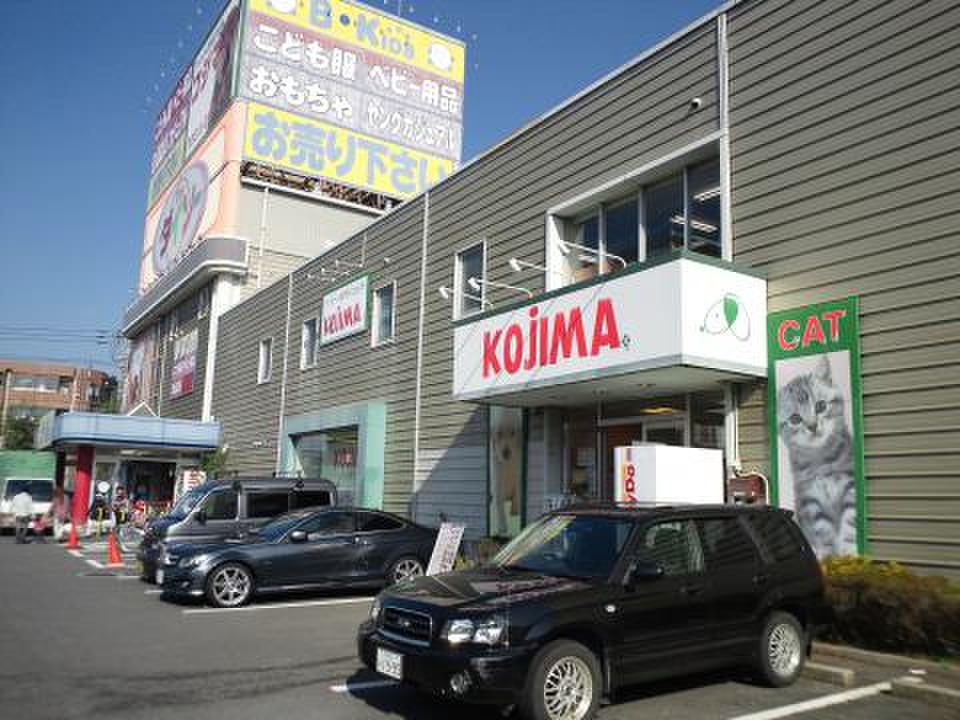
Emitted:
<point x="816" y="423"/>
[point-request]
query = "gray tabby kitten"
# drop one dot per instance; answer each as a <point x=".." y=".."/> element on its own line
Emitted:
<point x="811" y="422"/>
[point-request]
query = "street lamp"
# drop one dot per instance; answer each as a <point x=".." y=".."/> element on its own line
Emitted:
<point x="477" y="284"/>
<point x="592" y="254"/>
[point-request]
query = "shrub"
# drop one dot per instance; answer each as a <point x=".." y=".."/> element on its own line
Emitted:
<point x="885" y="606"/>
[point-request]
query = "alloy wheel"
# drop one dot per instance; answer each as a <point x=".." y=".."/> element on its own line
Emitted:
<point x="407" y="568"/>
<point x="568" y="689"/>
<point x="784" y="650"/>
<point x="231" y="585"/>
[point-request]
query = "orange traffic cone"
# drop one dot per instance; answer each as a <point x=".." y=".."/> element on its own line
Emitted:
<point x="74" y="542"/>
<point x="113" y="551"/>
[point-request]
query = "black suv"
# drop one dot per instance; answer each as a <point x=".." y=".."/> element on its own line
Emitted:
<point x="590" y="599"/>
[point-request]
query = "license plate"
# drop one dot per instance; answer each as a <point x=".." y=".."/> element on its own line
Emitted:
<point x="160" y="576"/>
<point x="390" y="664"/>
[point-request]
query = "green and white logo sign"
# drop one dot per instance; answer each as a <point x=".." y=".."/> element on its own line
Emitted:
<point x="727" y="315"/>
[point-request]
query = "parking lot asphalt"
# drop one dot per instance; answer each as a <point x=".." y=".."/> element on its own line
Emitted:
<point x="80" y="641"/>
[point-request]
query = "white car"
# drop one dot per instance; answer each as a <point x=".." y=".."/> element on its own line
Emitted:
<point x="40" y="489"/>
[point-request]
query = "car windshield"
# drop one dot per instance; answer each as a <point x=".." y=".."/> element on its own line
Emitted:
<point x="578" y="546"/>
<point x="278" y="527"/>
<point x="40" y="490"/>
<point x="186" y="503"/>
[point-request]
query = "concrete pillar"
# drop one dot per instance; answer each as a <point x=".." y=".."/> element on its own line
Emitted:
<point x="81" y="489"/>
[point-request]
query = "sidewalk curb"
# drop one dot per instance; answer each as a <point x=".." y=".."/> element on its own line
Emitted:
<point x="821" y="649"/>
<point x="844" y="677"/>
<point x="930" y="694"/>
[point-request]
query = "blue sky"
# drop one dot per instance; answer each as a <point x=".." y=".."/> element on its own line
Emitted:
<point x="81" y="83"/>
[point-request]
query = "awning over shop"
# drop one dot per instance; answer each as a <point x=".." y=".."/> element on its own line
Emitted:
<point x="680" y="324"/>
<point x="126" y="431"/>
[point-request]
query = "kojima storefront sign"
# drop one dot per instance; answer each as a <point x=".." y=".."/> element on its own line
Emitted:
<point x="680" y="313"/>
<point x="344" y="311"/>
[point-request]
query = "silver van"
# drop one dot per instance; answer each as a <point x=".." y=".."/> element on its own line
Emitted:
<point x="40" y="489"/>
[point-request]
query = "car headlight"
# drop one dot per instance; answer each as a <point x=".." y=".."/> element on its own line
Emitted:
<point x="192" y="562"/>
<point x="375" y="609"/>
<point x="489" y="631"/>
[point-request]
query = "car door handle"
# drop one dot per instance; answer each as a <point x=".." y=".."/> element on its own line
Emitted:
<point x="692" y="589"/>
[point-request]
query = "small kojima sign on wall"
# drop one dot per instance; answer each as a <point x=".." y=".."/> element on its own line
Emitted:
<point x="344" y="311"/>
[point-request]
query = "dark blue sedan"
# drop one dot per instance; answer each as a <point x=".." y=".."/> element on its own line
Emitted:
<point x="314" y="548"/>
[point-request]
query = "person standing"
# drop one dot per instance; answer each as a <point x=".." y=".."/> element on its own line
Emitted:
<point x="60" y="511"/>
<point x="22" y="508"/>
<point x="121" y="507"/>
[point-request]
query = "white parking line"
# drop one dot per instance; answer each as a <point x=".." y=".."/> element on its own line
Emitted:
<point x="817" y="703"/>
<point x="94" y="563"/>
<point x="280" y="606"/>
<point x="153" y="591"/>
<point x="369" y="685"/>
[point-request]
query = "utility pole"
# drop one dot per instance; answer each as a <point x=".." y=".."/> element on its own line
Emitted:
<point x="7" y="382"/>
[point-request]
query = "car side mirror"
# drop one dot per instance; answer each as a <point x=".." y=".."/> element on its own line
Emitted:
<point x="201" y="516"/>
<point x="642" y="571"/>
<point x="298" y="536"/>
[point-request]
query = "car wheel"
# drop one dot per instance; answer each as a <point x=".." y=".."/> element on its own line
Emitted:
<point x="229" y="585"/>
<point x="782" y="650"/>
<point x="564" y="684"/>
<point x="405" y="568"/>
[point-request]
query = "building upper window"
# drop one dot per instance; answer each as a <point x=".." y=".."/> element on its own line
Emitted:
<point x="679" y="210"/>
<point x="265" y="361"/>
<point x="469" y="296"/>
<point x="384" y="314"/>
<point x="36" y="383"/>
<point x="308" y="343"/>
<point x="703" y="208"/>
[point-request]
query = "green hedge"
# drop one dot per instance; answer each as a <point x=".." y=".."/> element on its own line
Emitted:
<point x="884" y="606"/>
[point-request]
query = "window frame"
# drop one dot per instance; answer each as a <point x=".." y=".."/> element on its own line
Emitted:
<point x="375" y="339"/>
<point x="603" y="264"/>
<point x="560" y="217"/>
<point x="304" y="365"/>
<point x="250" y="494"/>
<point x="458" y="289"/>
<point x="693" y="531"/>
<point x="211" y="497"/>
<point x="359" y="513"/>
<point x="313" y="537"/>
<point x="743" y="528"/>
<point x="264" y="369"/>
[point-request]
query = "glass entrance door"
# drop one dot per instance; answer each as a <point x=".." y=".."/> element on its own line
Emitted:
<point x="616" y="436"/>
<point x="666" y="432"/>
<point x="332" y="455"/>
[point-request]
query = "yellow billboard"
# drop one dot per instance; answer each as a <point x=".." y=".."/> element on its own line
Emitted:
<point x="370" y="29"/>
<point x="321" y="149"/>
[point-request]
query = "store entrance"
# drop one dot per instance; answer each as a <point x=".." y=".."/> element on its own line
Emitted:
<point x="665" y="431"/>
<point x="151" y="482"/>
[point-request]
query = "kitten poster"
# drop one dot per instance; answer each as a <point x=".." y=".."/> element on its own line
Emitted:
<point x="506" y="446"/>
<point x="815" y="419"/>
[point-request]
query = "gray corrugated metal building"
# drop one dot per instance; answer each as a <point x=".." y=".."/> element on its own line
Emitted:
<point x="812" y="144"/>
